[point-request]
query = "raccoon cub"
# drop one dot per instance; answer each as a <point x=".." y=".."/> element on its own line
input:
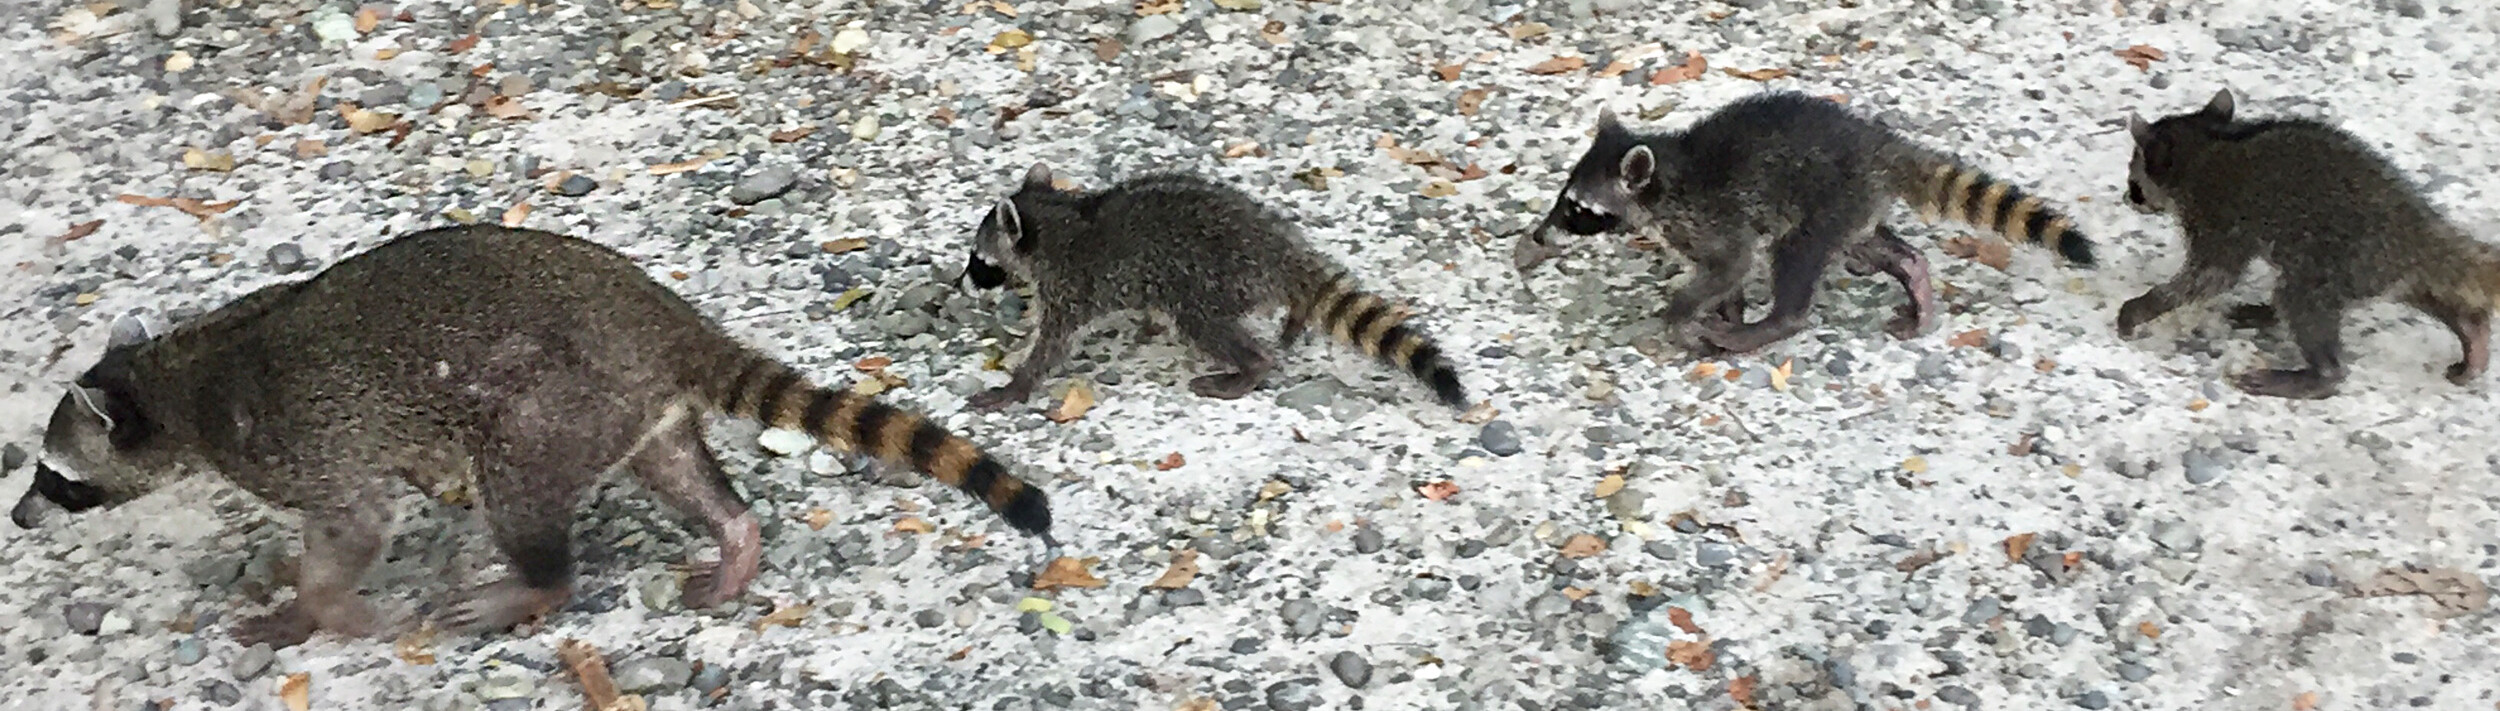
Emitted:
<point x="1806" y="177"/>
<point x="509" y="367"/>
<point x="1202" y="253"/>
<point x="2339" y="223"/>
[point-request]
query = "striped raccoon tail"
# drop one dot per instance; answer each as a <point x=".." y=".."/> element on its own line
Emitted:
<point x="1944" y="188"/>
<point x="1340" y="306"/>
<point x="770" y="392"/>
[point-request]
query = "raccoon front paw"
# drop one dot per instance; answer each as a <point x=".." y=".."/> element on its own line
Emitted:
<point x="2133" y="314"/>
<point x="2464" y="372"/>
<point x="1908" y="323"/>
<point x="285" y="627"/>
<point x="1224" y="386"/>
<point x="2293" y="384"/>
<point x="502" y="606"/>
<point x="996" y="398"/>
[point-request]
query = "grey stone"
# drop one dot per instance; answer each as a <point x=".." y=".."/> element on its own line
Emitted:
<point x="1500" y="438"/>
<point x="1292" y="694"/>
<point x="1367" y="540"/>
<point x="505" y="686"/>
<point x="1933" y="367"/>
<point x="165" y="17"/>
<point x="1152" y="27"/>
<point x="1548" y="606"/>
<point x="1184" y="597"/>
<point x="1428" y="588"/>
<point x="84" y="617"/>
<point x="1713" y="554"/>
<point x="2093" y="700"/>
<point x="288" y="258"/>
<point x="1958" y="696"/>
<point x="770" y="182"/>
<point x="2203" y="466"/>
<point x="1982" y="610"/>
<point x="576" y="185"/>
<point x="1351" y="668"/>
<point x="2177" y="536"/>
<point x="189" y="651"/>
<point x="1302" y="617"/>
<point x="652" y="675"/>
<point x="713" y="676"/>
<point x="2134" y="672"/>
<point x="248" y="664"/>
<point x="2039" y="626"/>
<point x="2318" y="575"/>
<point x="12" y="457"/>
<point x="424" y="95"/>
<point x="220" y="693"/>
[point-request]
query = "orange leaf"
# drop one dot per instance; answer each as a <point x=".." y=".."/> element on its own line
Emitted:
<point x="785" y="617"/>
<point x="792" y="134"/>
<point x="1439" y="490"/>
<point x="1471" y="100"/>
<point x="1991" y="252"/>
<point x="872" y="364"/>
<point x="1683" y="620"/>
<point x="1449" y="72"/>
<point x="1577" y="594"/>
<point x="367" y="19"/>
<point x="2149" y="630"/>
<point x="79" y="230"/>
<point x="1702" y="371"/>
<point x="1973" y="338"/>
<point x="915" y="524"/>
<point x="2306" y="701"/>
<point x="818" y="519"/>
<point x="1558" y="65"/>
<point x="1066" y="572"/>
<point x="296" y="690"/>
<point x="1691" y="655"/>
<point x="1582" y="546"/>
<point x="463" y="44"/>
<point x="1692" y="68"/>
<point x="1170" y="462"/>
<point x="2142" y="56"/>
<point x="1758" y="74"/>
<point x="1742" y="690"/>
<point x="310" y="148"/>
<point x="1184" y="568"/>
<point x="2018" y="544"/>
<point x="1079" y="399"/>
<point x="1107" y="49"/>
<point x="512" y="216"/>
<point x="505" y="107"/>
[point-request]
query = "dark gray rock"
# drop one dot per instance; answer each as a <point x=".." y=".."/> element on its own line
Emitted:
<point x="764" y="184"/>
<point x="1293" y="694"/>
<point x="85" y="617"/>
<point x="576" y="185"/>
<point x="288" y="258"/>
<point x="1351" y="668"/>
<point x="1500" y="438"/>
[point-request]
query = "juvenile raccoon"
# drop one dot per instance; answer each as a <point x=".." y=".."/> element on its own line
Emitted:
<point x="2339" y="223"/>
<point x="1806" y="176"/>
<point x="1200" y="252"/>
<point x="512" y="366"/>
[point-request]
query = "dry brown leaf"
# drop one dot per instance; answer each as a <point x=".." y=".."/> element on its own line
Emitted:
<point x="197" y="159"/>
<point x="79" y="230"/>
<point x="512" y="216"/>
<point x="1472" y="100"/>
<point x="1169" y="462"/>
<point x="190" y="206"/>
<point x="818" y="519"/>
<point x="1480" y="413"/>
<point x="1558" y="65"/>
<point x="914" y="524"/>
<point x="311" y="148"/>
<point x="1577" y="593"/>
<point x="2017" y="545"/>
<point x="296" y="690"/>
<point x="416" y="647"/>
<point x="1992" y="252"/>
<point x="1107" y="49"/>
<point x="791" y="135"/>
<point x="1608" y="486"/>
<point x="2306" y="701"/>
<point x="2198" y="405"/>
<point x="505" y="107"/>
<point x="2021" y="447"/>
<point x="1439" y="490"/>
<point x="591" y="671"/>
<point x="1066" y="572"/>
<point x="1692" y="68"/>
<point x="872" y="364"/>
<point x="2149" y="629"/>
<point x="2455" y="592"/>
<point x="678" y="167"/>
<point x="1450" y="72"/>
<point x="1918" y="560"/>
<point x="1197" y="704"/>
<point x="1184" y="568"/>
<point x="1009" y="39"/>
<point x="368" y="121"/>
<point x="1274" y="33"/>
<point x="1741" y="689"/>
<point x="2142" y="56"/>
<point x="1614" y="69"/>
<point x="1780" y="375"/>
<point x="1974" y="338"/>
<point x="1471" y="172"/>
<point x="846" y="244"/>
<point x="1702" y="371"/>
<point x="789" y="616"/>
<point x="1914" y="465"/>
<point x="1439" y="189"/>
<point x="1583" y="546"/>
<point x="1692" y="655"/>
<point x="1758" y="74"/>
<point x="1244" y="148"/>
<point x="367" y="19"/>
<point x="1683" y="620"/>
<point x="1527" y="30"/>
<point x="1079" y="399"/>
<point x="463" y="44"/>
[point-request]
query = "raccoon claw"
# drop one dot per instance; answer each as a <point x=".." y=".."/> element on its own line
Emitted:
<point x="1910" y="324"/>
<point x="1224" y="386"/>
<point x="2463" y="373"/>
<point x="993" y="399"/>
<point x="2293" y="384"/>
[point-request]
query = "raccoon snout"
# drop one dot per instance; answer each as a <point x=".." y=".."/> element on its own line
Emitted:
<point x="983" y="274"/>
<point x="32" y="510"/>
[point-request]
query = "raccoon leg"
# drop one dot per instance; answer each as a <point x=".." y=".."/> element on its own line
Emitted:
<point x="678" y="467"/>
<point x="2317" y="322"/>
<point x="1223" y="339"/>
<point x="1796" y="265"/>
<point x="2252" y="316"/>
<point x="2473" y="330"/>
<point x="340" y="544"/>
<point x="531" y="520"/>
<point x="1719" y="277"/>
<point x="1048" y="348"/>
<point x="1884" y="251"/>
<point x="2212" y="268"/>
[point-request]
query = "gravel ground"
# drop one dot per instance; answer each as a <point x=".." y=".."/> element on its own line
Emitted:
<point x="2016" y="511"/>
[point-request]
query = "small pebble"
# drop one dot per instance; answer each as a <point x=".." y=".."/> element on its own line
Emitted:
<point x="1351" y="668"/>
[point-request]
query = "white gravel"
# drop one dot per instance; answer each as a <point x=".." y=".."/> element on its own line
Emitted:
<point x="1779" y="518"/>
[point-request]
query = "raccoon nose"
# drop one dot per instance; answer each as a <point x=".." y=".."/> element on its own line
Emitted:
<point x="2135" y="193"/>
<point x="31" y="510"/>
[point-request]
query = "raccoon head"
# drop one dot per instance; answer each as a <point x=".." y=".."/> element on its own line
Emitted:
<point x="2158" y="146"/>
<point x="1003" y="245"/>
<point x="1611" y="186"/>
<point x="102" y="447"/>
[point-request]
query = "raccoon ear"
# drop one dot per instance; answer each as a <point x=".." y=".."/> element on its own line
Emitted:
<point x="1037" y="177"/>
<point x="2221" y="105"/>
<point x="1639" y="167"/>
<point x="1607" y="122"/>
<point x="1010" y="224"/>
<point x="2143" y="132"/>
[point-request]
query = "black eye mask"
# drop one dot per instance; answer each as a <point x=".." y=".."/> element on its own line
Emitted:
<point x="983" y="274"/>
<point x="1574" y="218"/>
<point x="72" y="496"/>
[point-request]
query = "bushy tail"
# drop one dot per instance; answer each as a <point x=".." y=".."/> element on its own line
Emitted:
<point x="769" y="392"/>
<point x="1941" y="187"/>
<point x="1336" y="303"/>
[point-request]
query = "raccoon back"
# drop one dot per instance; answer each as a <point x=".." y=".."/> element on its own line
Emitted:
<point x="1170" y="239"/>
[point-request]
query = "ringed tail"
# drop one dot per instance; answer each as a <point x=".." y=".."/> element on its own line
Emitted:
<point x="1379" y="328"/>
<point x="1948" y="189"/>
<point x="767" y="391"/>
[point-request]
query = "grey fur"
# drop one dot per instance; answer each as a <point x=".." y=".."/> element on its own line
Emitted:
<point x="2339" y="223"/>
<point x="1199" y="252"/>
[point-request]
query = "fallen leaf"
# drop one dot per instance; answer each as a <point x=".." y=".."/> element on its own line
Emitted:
<point x="1914" y="465"/>
<point x="1691" y="655"/>
<point x="818" y="519"/>
<point x="785" y="617"/>
<point x="1169" y="462"/>
<point x="2044" y="365"/>
<point x="1317" y="178"/>
<point x="296" y="690"/>
<point x="846" y="244"/>
<point x="1780" y="375"/>
<point x="1974" y="338"/>
<point x="513" y="216"/>
<point x="1527" y="30"/>
<point x="1608" y="486"/>
<point x="2306" y="701"/>
<point x="2198" y="405"/>
<point x="1079" y="399"/>
<point x="1244" y="148"/>
<point x="1439" y="490"/>
<point x="416" y="647"/>
<point x="1107" y="49"/>
<point x="190" y="206"/>
<point x="1066" y="572"/>
<point x="197" y="159"/>
<point x="1577" y="593"/>
<point x="1992" y="252"/>
<point x="79" y="230"/>
<point x="1274" y="33"/>
<point x="1558" y="65"/>
<point x="1480" y="413"/>
<point x="2018" y="544"/>
<point x="1197" y="704"/>
<point x="2021" y="447"/>
<point x="368" y="121"/>
<point x="1157" y="7"/>
<point x="1692" y="68"/>
<point x="914" y="524"/>
<point x="2142" y="56"/>
<point x="2456" y="592"/>
<point x="1702" y="371"/>
<point x="1184" y="568"/>
<point x="1614" y="69"/>
<point x="1472" y="100"/>
<point x="1741" y="689"/>
<point x="1683" y="620"/>
<point x="1758" y="74"/>
<point x="2149" y="629"/>
<point x="678" y="167"/>
<point x="872" y="364"/>
<point x="463" y="44"/>
<point x="1439" y="189"/>
<point x="1450" y="72"/>
<point x="1918" y="560"/>
<point x="1010" y="39"/>
<point x="311" y="148"/>
<point x="591" y="671"/>
<point x="1583" y="546"/>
